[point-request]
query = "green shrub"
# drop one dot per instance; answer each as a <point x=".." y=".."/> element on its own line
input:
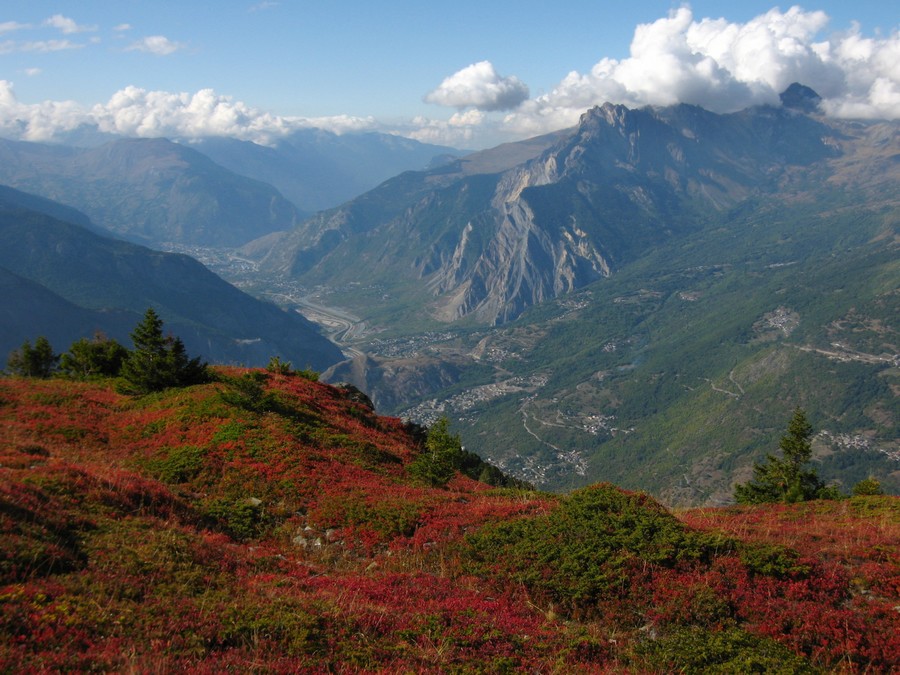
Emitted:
<point x="179" y="464"/>
<point x="248" y="392"/>
<point x="698" y="650"/>
<point x="867" y="488"/>
<point x="98" y="357"/>
<point x="772" y="560"/>
<point x="242" y="518"/>
<point x="279" y="367"/>
<point x="281" y="621"/>
<point x="588" y="547"/>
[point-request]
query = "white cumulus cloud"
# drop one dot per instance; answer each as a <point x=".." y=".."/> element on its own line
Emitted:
<point x="37" y="122"/>
<point x="479" y="86"/>
<point x="159" y="45"/>
<point x="66" y="25"/>
<point x="725" y="66"/>
<point x="461" y="131"/>
<point x="136" y="112"/>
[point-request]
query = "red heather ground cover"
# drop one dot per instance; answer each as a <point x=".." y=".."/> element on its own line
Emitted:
<point x="846" y="607"/>
<point x="179" y="532"/>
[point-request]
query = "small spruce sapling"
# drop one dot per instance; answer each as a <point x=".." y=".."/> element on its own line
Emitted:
<point x="786" y="479"/>
<point x="158" y="361"/>
<point x="441" y="457"/>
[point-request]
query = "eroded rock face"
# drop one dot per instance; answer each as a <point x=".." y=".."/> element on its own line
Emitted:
<point x="523" y="264"/>
<point x="489" y="245"/>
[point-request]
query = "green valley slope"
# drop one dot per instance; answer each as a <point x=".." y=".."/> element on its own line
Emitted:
<point x="678" y="372"/>
<point x="644" y="301"/>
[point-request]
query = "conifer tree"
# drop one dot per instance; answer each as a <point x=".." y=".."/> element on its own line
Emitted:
<point x="786" y="479"/>
<point x="441" y="456"/>
<point x="158" y="361"/>
<point x="99" y="357"/>
<point x="36" y="361"/>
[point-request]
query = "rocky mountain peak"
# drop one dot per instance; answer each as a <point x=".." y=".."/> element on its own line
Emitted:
<point x="610" y="117"/>
<point x="622" y="182"/>
<point x="800" y="97"/>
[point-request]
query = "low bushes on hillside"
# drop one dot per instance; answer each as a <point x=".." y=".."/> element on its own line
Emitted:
<point x="268" y="522"/>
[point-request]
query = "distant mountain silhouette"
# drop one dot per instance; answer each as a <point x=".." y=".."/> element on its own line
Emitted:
<point x="64" y="281"/>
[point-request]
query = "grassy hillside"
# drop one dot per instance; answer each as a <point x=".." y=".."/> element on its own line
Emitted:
<point x="271" y="523"/>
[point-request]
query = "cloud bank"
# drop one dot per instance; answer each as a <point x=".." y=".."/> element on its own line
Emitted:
<point x="720" y="65"/>
<point x="153" y="114"/>
<point x="726" y="66"/>
<point x="479" y="86"/>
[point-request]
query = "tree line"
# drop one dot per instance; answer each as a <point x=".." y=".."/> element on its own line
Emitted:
<point x="157" y="361"/>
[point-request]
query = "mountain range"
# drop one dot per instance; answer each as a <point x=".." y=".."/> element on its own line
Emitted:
<point x="641" y="299"/>
<point x="317" y="169"/>
<point x="67" y="273"/>
<point x="64" y="280"/>
<point x="489" y="242"/>
<point x="211" y="192"/>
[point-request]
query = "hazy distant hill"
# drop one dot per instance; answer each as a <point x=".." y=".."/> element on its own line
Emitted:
<point x="64" y="281"/>
<point x="28" y="310"/>
<point x="151" y="191"/>
<point x="213" y="192"/>
<point x="317" y="169"/>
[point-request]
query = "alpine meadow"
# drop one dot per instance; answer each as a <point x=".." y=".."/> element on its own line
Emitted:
<point x="597" y="373"/>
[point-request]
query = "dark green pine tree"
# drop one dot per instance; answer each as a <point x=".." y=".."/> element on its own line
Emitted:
<point x="786" y="479"/>
<point x="36" y="361"/>
<point x="99" y="357"/>
<point x="441" y="456"/>
<point x="183" y="370"/>
<point x="158" y="361"/>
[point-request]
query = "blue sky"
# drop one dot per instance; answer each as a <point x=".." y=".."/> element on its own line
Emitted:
<point x="468" y="73"/>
